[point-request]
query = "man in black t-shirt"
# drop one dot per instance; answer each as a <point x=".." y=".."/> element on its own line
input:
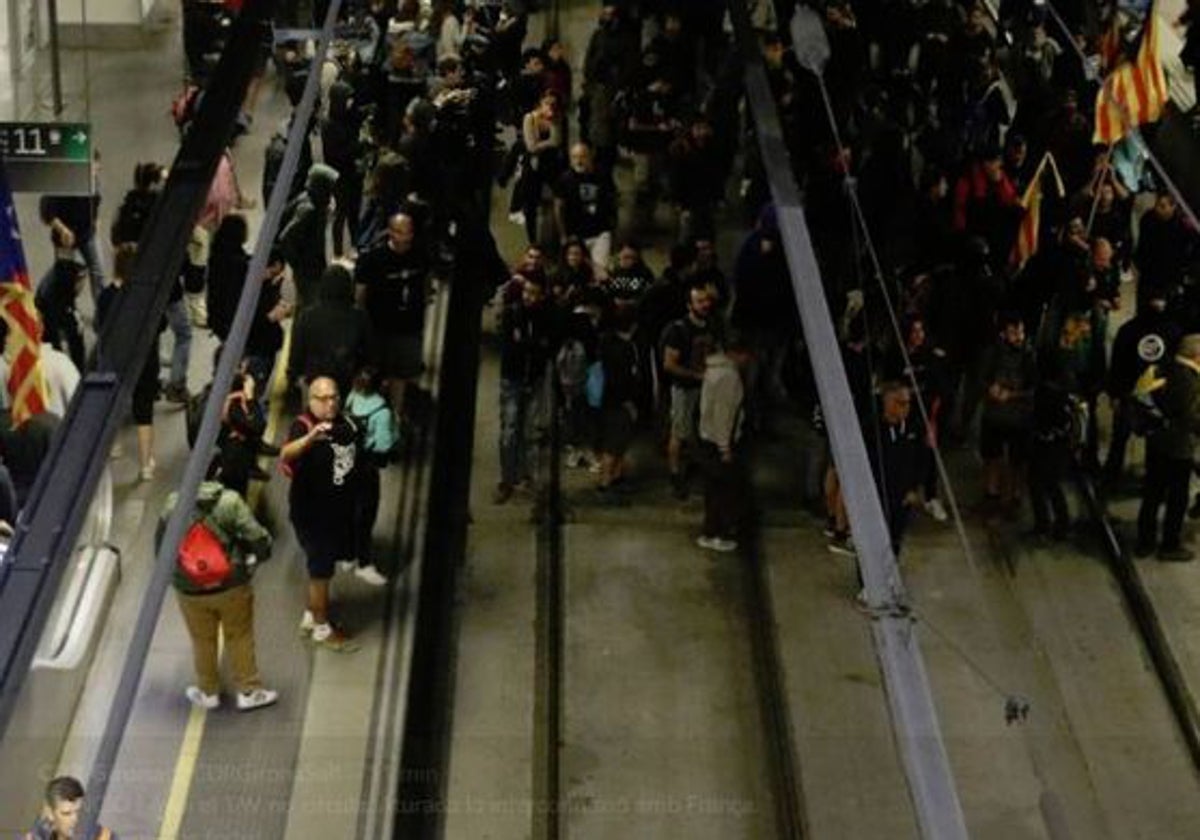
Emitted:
<point x="686" y="343"/>
<point x="390" y="284"/>
<point x="586" y="206"/>
<point x="322" y="457"/>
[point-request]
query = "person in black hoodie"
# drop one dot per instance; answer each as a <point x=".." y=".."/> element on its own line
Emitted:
<point x="55" y="300"/>
<point x="341" y="149"/>
<point x="227" y="266"/>
<point x="1148" y="338"/>
<point x="1050" y="459"/>
<point x="135" y="208"/>
<point x="331" y="337"/>
<point x="620" y="359"/>
<point x="303" y="240"/>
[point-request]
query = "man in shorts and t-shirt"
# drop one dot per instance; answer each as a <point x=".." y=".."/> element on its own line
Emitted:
<point x="389" y="284"/>
<point x="322" y="455"/>
<point x="686" y="343"/>
<point x="586" y="206"/>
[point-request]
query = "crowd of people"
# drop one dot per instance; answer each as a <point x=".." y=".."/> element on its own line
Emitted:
<point x="945" y="119"/>
<point x="1004" y="349"/>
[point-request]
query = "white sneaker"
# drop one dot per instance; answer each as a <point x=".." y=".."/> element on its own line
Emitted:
<point x="724" y="545"/>
<point x="935" y="509"/>
<point x="307" y="623"/>
<point x="201" y="700"/>
<point x="371" y="575"/>
<point x="347" y="566"/>
<point x="707" y="543"/>
<point x="256" y="699"/>
<point x="843" y="545"/>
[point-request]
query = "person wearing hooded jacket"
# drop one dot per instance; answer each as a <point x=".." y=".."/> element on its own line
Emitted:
<point x="229" y="607"/>
<point x="302" y="241"/>
<point x="330" y="338"/>
<point x="341" y="149"/>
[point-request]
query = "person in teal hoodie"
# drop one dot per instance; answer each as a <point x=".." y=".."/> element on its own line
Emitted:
<point x="376" y="422"/>
<point x="225" y="604"/>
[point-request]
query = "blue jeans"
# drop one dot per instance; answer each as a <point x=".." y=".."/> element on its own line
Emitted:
<point x="90" y="251"/>
<point x="514" y="411"/>
<point x="181" y="329"/>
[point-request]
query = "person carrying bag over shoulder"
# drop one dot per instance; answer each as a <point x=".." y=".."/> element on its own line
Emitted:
<point x="212" y="581"/>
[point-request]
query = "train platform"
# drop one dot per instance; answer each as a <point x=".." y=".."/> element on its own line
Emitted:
<point x="699" y="695"/>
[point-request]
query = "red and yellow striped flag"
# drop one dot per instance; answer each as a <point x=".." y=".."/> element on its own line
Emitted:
<point x="1110" y="43"/>
<point x="1031" y="223"/>
<point x="1135" y="92"/>
<point x="26" y="385"/>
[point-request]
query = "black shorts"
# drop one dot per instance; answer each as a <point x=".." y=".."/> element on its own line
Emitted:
<point x="997" y="440"/>
<point x="323" y="550"/>
<point x="616" y="430"/>
<point x="400" y="356"/>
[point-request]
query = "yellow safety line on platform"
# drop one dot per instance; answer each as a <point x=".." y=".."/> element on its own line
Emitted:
<point x="193" y="735"/>
<point x="185" y="766"/>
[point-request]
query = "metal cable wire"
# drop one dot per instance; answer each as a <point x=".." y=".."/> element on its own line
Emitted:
<point x="859" y="222"/>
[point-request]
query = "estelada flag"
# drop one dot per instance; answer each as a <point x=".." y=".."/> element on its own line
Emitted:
<point x="1135" y="92"/>
<point x="1031" y="222"/>
<point x="26" y="386"/>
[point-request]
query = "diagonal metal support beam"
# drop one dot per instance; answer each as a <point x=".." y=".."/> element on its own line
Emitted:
<point x="914" y="715"/>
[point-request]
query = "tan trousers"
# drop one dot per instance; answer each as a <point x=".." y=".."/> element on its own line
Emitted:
<point x="231" y="611"/>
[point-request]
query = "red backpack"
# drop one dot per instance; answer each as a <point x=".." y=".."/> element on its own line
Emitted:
<point x="202" y="558"/>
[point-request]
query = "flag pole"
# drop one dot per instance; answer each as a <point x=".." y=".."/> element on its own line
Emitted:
<point x="1099" y="182"/>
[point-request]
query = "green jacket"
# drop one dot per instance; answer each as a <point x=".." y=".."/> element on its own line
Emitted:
<point x="1180" y="404"/>
<point x="232" y="522"/>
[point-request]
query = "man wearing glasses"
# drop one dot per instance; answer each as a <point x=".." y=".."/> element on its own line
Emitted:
<point x="321" y="456"/>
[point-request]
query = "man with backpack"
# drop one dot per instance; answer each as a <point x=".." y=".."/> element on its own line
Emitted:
<point x="215" y="564"/>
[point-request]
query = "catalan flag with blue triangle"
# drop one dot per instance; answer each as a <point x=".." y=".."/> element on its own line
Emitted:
<point x="26" y="385"/>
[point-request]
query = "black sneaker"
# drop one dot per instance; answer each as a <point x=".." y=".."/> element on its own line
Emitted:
<point x="175" y="392"/>
<point x="1142" y="550"/>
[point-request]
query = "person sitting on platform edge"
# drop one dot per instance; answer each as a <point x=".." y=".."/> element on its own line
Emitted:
<point x="61" y="808"/>
<point x="228" y="605"/>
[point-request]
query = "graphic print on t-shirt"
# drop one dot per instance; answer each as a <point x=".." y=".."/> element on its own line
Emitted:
<point x="343" y="461"/>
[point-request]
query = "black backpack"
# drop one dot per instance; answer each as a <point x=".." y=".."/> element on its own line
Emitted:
<point x="132" y="217"/>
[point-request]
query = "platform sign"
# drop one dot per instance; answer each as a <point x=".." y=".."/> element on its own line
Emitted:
<point x="47" y="157"/>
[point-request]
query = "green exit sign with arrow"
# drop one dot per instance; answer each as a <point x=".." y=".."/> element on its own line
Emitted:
<point x="47" y="157"/>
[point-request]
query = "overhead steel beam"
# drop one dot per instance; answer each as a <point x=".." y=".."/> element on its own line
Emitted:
<point x="914" y="715"/>
<point x="49" y="524"/>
